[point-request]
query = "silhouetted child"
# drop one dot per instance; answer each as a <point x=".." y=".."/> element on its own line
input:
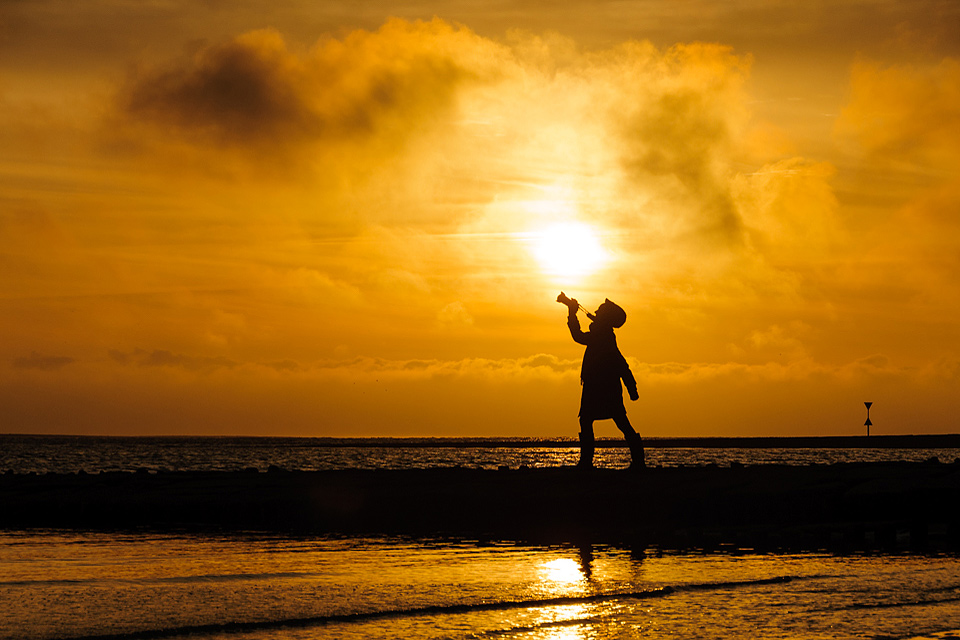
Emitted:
<point x="603" y="369"/>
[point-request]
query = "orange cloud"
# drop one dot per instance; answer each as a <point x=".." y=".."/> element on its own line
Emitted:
<point x="254" y="91"/>
<point x="683" y="112"/>
<point x="270" y="233"/>
<point x="537" y="395"/>
<point x="790" y="210"/>
<point x="42" y="362"/>
<point x="905" y="111"/>
<point x="249" y="89"/>
<point x="165" y="358"/>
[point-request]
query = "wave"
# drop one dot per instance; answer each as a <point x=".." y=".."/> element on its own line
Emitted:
<point x="946" y="634"/>
<point x="919" y="602"/>
<point x="449" y="609"/>
<point x="573" y="622"/>
<point x="56" y="581"/>
<point x="906" y="603"/>
<point x="742" y="583"/>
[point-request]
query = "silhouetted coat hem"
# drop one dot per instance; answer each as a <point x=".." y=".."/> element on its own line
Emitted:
<point x="601" y="401"/>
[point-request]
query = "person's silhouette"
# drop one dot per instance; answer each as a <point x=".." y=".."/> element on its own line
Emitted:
<point x="602" y="370"/>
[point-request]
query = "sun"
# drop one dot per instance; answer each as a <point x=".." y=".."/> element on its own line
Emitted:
<point x="568" y="249"/>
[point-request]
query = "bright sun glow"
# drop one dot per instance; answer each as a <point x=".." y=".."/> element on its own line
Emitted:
<point x="569" y="249"/>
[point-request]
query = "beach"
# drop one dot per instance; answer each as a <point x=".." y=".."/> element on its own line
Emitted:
<point x="61" y="585"/>
<point x="219" y="538"/>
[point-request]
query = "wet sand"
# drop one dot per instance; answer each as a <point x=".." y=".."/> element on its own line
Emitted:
<point x="840" y="507"/>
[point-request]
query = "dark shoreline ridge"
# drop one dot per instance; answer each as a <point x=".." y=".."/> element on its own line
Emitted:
<point x="841" y="507"/>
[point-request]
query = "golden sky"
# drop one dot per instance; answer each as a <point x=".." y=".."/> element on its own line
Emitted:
<point x="337" y="219"/>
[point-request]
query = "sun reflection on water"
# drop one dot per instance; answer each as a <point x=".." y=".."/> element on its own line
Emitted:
<point x="566" y="622"/>
<point x="562" y="570"/>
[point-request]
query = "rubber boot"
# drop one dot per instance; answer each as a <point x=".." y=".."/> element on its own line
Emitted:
<point x="635" y="442"/>
<point x="586" y="451"/>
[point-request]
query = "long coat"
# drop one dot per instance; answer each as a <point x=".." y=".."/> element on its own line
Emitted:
<point x="602" y="370"/>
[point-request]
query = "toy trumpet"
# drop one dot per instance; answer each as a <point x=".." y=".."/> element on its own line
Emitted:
<point x="563" y="299"/>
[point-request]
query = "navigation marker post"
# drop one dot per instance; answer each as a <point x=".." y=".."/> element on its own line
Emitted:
<point x="868" y="424"/>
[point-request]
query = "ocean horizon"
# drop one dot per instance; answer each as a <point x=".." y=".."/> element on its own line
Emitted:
<point x="41" y="453"/>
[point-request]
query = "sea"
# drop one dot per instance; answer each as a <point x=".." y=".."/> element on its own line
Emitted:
<point x="60" y="584"/>
<point x="95" y="454"/>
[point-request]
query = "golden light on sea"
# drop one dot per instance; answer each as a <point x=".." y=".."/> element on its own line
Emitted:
<point x="563" y="570"/>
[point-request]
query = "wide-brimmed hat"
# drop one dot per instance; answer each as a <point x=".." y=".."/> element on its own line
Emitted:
<point x="614" y="313"/>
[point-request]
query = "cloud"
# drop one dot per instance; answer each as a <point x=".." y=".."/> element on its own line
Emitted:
<point x="41" y="362"/>
<point x="682" y="112"/>
<point x="164" y="358"/>
<point x="780" y="342"/>
<point x="247" y="89"/>
<point x="303" y="285"/>
<point x="363" y="368"/>
<point x="540" y="366"/>
<point x="800" y="370"/>
<point x="169" y="392"/>
<point x="254" y="91"/>
<point x="789" y="209"/>
<point x="284" y="365"/>
<point x="640" y="137"/>
<point x="905" y="112"/>
<point x="901" y="125"/>
<point x="549" y="368"/>
<point x="454" y="314"/>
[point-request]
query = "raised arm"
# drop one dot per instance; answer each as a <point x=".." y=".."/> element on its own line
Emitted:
<point x="573" y="323"/>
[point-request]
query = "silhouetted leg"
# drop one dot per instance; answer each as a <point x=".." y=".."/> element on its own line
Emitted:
<point x="634" y="441"/>
<point x="586" y="444"/>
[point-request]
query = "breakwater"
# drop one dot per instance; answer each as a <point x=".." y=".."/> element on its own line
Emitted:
<point x="909" y="506"/>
